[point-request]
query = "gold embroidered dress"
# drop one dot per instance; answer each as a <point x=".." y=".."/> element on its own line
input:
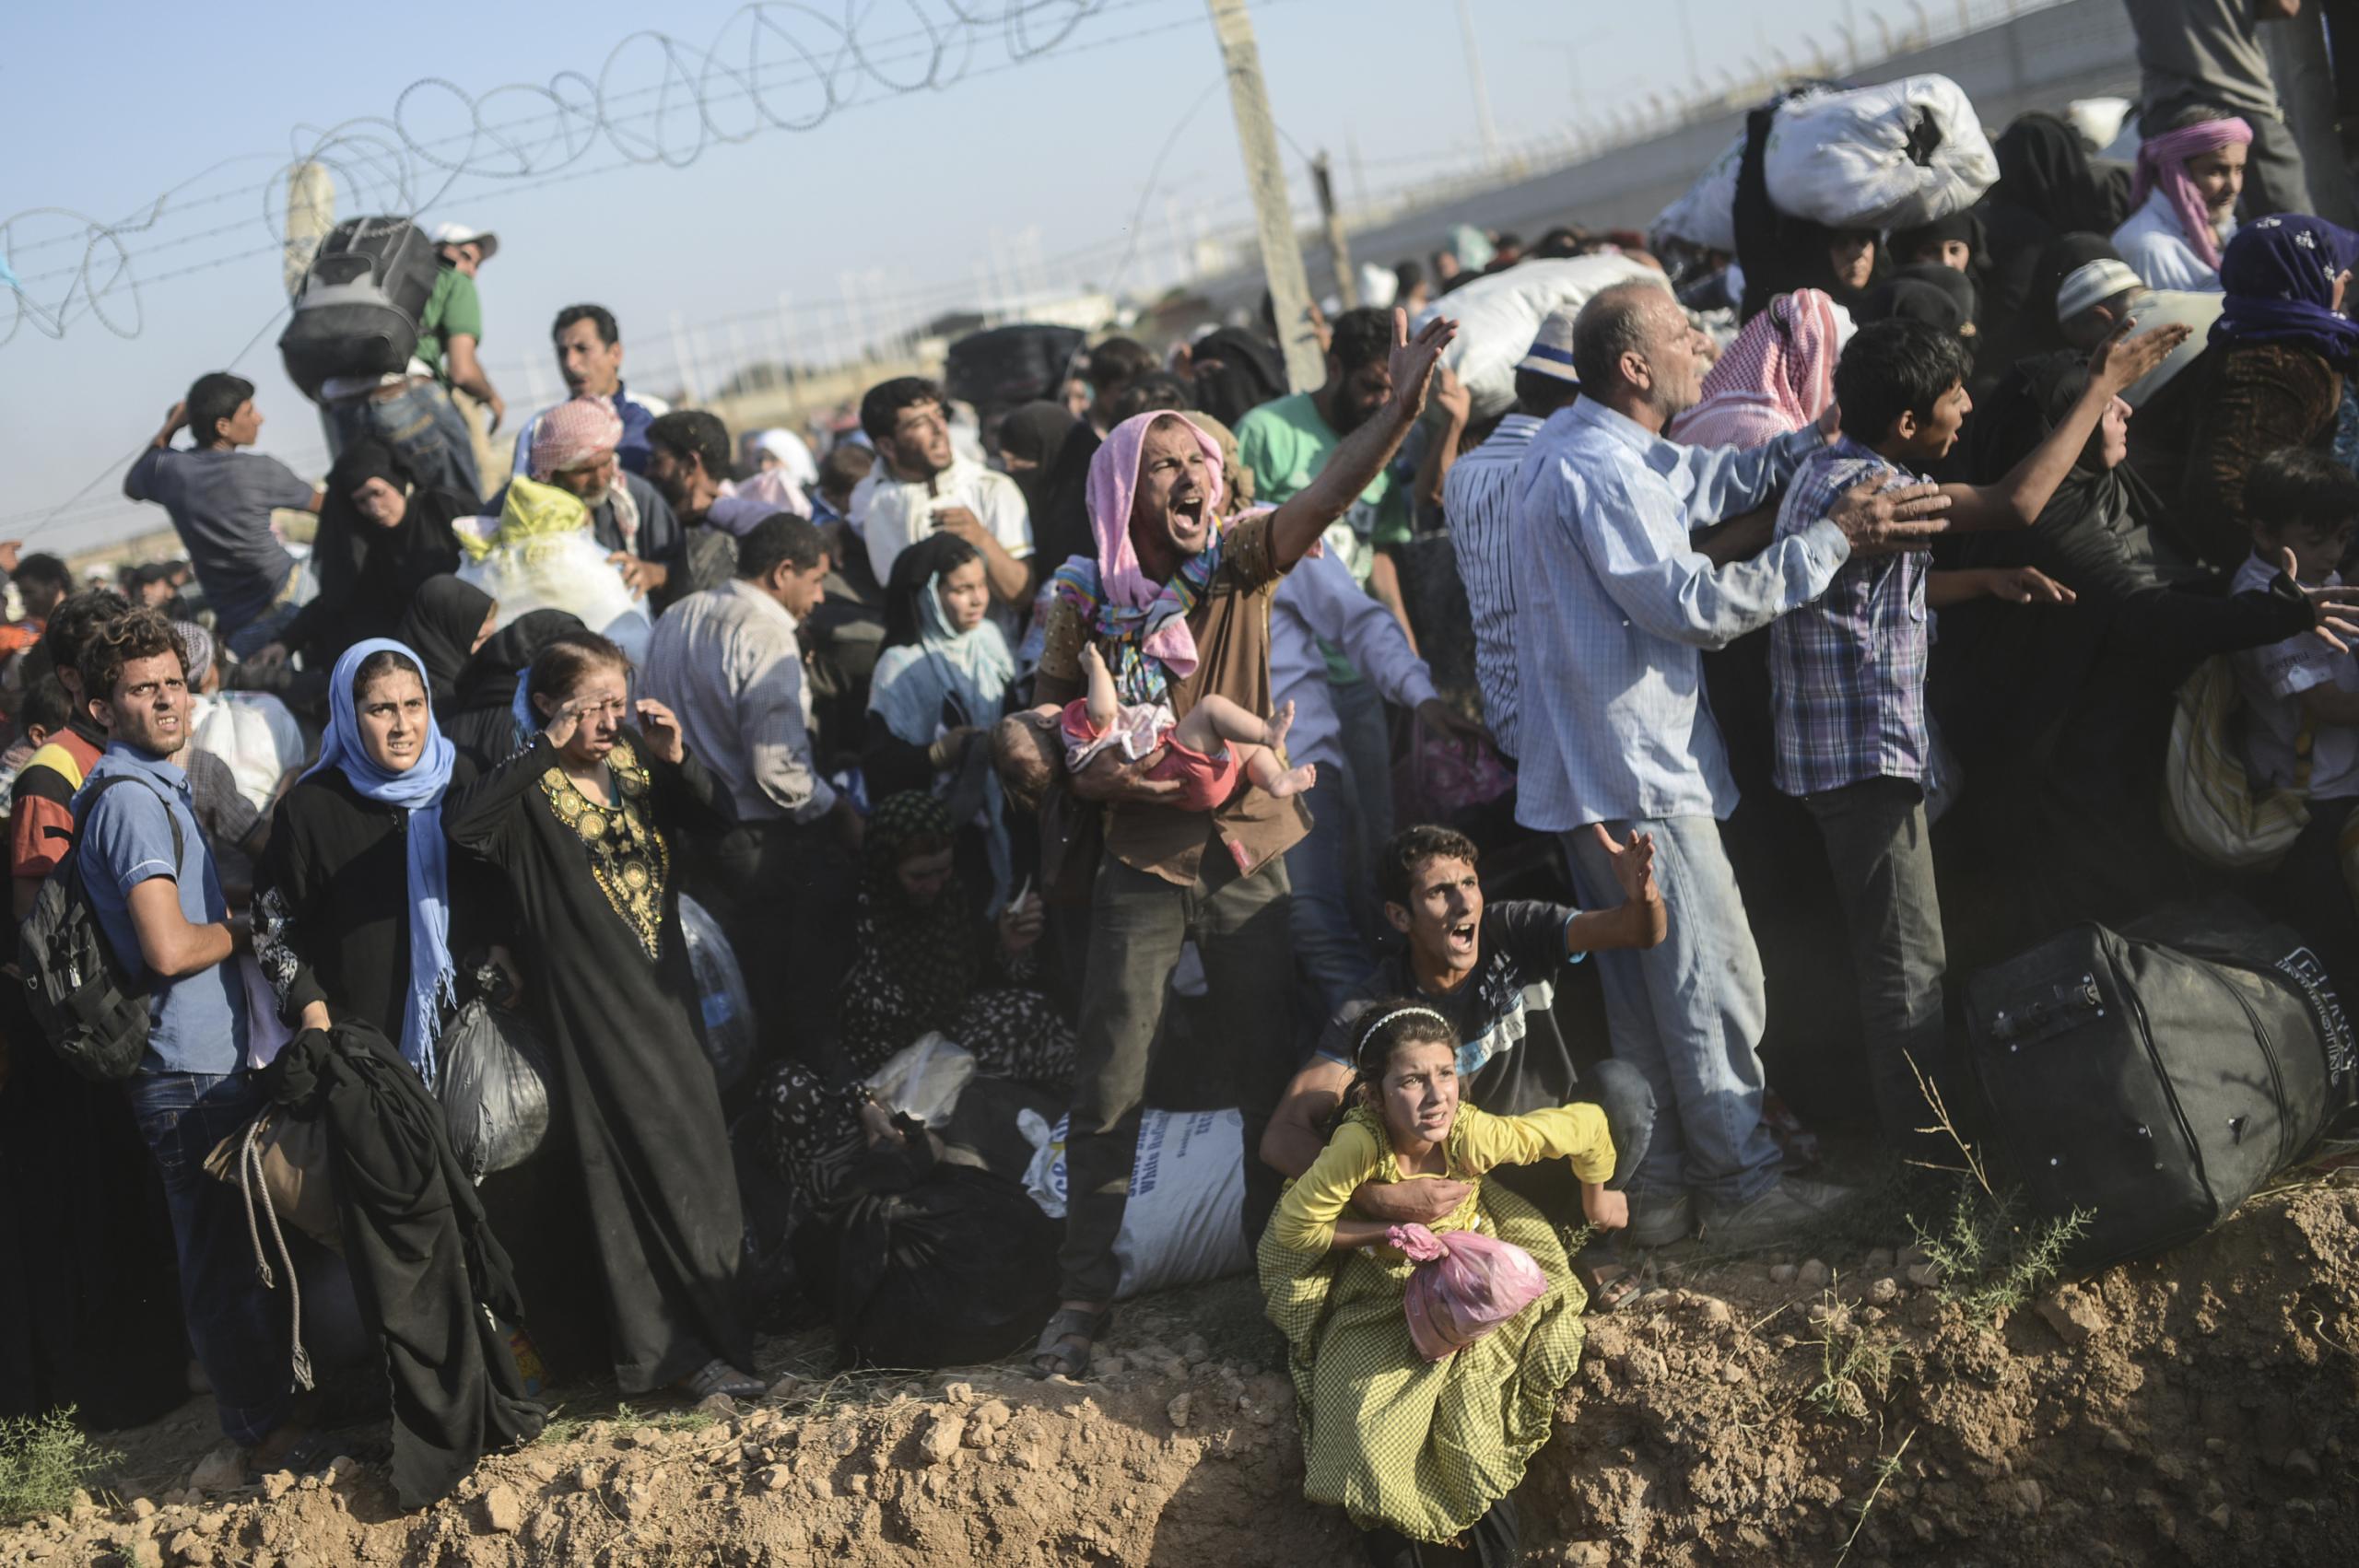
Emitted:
<point x="607" y="974"/>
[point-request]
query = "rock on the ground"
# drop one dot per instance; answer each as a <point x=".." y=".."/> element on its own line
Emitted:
<point x="1884" y="1291"/>
<point x="2072" y="1312"/>
<point x="503" y="1511"/>
<point x="1783" y="1274"/>
<point x="220" y="1470"/>
<point x="941" y="1436"/>
<point x="1813" y="1275"/>
<point x="1180" y="1409"/>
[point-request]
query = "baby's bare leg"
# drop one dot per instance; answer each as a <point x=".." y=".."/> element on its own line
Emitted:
<point x="1261" y="766"/>
<point x="1215" y="719"/>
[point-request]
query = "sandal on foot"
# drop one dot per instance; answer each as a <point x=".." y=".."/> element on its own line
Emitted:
<point x="1069" y="1326"/>
<point x="1610" y="1286"/>
<point x="717" y="1376"/>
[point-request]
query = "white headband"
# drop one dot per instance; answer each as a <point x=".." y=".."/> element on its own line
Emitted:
<point x="1368" y="1032"/>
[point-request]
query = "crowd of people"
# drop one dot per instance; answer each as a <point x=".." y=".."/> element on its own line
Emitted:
<point x="1132" y="742"/>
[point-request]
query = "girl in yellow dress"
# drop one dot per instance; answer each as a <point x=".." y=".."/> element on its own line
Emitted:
<point x="1419" y="1451"/>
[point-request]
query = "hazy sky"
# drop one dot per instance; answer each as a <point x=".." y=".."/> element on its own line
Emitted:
<point x="923" y="199"/>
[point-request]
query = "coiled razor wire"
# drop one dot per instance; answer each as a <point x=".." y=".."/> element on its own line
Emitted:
<point x="656" y="99"/>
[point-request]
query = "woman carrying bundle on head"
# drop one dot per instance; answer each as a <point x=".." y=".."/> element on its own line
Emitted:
<point x="1420" y="1398"/>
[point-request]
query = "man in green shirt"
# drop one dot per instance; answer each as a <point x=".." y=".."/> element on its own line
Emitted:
<point x="1285" y="443"/>
<point x="410" y="410"/>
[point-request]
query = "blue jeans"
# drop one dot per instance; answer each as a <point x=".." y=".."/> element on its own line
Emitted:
<point x="424" y="428"/>
<point x="1688" y="1014"/>
<point x="238" y="1330"/>
<point x="250" y="638"/>
<point x="1366" y="740"/>
<point x="1333" y="957"/>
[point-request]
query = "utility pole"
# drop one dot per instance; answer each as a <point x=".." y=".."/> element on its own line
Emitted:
<point x="1490" y="132"/>
<point x="1257" y="135"/>
<point x="1339" y="251"/>
<point x="310" y="216"/>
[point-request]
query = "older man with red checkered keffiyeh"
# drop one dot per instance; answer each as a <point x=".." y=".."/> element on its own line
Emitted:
<point x="573" y="448"/>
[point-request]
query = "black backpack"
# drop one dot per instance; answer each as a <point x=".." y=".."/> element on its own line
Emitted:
<point x="2158" y="1074"/>
<point x="87" y="1007"/>
<point x="358" y="309"/>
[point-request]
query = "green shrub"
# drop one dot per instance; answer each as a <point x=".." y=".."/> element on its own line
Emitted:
<point x="43" y="1462"/>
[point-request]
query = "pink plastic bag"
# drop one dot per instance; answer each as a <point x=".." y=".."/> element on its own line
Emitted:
<point x="1465" y="1285"/>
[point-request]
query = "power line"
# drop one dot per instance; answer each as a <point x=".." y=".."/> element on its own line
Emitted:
<point x="379" y="156"/>
<point x="1013" y="18"/>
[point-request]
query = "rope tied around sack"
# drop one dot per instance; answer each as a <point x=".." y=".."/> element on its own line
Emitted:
<point x="249" y="1177"/>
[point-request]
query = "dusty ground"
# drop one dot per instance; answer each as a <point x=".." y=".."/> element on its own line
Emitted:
<point x="2197" y="1410"/>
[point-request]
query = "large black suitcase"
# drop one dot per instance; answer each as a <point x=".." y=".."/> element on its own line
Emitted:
<point x="2158" y="1074"/>
<point x="358" y="309"/>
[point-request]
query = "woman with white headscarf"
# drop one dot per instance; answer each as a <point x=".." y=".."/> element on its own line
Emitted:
<point x="939" y="687"/>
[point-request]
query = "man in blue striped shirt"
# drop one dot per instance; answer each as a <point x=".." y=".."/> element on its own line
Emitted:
<point x="1618" y="603"/>
<point x="1478" y="501"/>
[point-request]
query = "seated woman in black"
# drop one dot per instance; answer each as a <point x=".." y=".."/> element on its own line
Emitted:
<point x="381" y="535"/>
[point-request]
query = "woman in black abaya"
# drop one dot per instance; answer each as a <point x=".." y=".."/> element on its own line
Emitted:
<point x="587" y="824"/>
<point x="381" y="537"/>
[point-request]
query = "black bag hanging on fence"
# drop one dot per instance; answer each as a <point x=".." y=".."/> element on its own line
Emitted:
<point x="2157" y="1075"/>
<point x="493" y="1082"/>
<point x="357" y="309"/>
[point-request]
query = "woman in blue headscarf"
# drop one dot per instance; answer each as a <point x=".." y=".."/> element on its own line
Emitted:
<point x="2274" y="372"/>
<point x="356" y="911"/>
<point x="939" y="687"/>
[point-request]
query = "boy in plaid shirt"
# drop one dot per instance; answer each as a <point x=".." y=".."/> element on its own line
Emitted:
<point x="1847" y="670"/>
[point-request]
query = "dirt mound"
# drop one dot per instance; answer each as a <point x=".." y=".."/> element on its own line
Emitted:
<point x="2200" y="1409"/>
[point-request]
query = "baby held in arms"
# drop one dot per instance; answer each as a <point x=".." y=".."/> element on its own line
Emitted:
<point x="1202" y="752"/>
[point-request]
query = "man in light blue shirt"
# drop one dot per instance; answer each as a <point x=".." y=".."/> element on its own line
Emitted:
<point x="1318" y="606"/>
<point x="1619" y="603"/>
<point x="160" y="906"/>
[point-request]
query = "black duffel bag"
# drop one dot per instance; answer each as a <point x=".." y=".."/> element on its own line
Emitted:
<point x="2157" y="1075"/>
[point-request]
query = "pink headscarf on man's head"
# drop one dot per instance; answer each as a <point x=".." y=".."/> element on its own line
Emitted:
<point x="572" y="434"/>
<point x="1113" y="486"/>
<point x="2162" y="161"/>
<point x="1777" y="376"/>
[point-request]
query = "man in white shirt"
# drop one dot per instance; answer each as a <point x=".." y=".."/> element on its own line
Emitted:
<point x="728" y="663"/>
<point x="922" y="484"/>
<point x="253" y="734"/>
